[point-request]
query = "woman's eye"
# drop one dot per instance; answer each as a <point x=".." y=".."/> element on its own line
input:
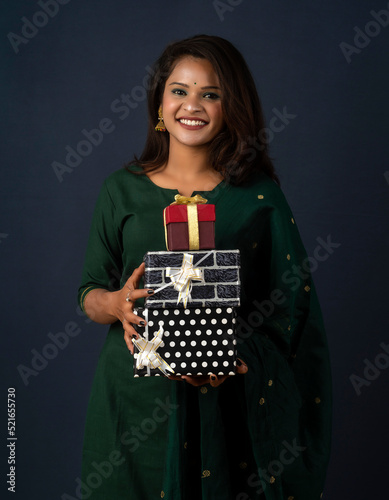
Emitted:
<point x="178" y="92"/>
<point x="211" y="95"/>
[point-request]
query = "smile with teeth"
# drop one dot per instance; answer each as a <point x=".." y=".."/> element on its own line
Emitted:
<point x="192" y="123"/>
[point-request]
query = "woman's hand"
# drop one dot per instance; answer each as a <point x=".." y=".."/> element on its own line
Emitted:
<point x="123" y="305"/>
<point x="213" y="380"/>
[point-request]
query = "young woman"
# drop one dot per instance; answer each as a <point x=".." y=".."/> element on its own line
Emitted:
<point x="264" y="433"/>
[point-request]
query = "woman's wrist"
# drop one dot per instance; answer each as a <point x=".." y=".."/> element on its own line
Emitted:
<point x="101" y="306"/>
<point x="109" y="304"/>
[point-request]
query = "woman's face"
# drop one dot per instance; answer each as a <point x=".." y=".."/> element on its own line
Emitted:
<point x="191" y="103"/>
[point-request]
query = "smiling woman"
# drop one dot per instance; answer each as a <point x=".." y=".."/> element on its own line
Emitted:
<point x="192" y="111"/>
<point x="231" y="98"/>
<point x="264" y="433"/>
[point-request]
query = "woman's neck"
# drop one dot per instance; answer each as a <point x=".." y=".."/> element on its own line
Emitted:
<point x="187" y="163"/>
<point x="188" y="169"/>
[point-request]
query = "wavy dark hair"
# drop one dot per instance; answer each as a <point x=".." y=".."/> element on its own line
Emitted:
<point x="229" y="153"/>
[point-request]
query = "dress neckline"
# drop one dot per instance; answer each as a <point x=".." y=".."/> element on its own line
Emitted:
<point x="212" y="193"/>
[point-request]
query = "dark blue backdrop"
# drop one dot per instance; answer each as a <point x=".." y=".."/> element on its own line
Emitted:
<point x="324" y="64"/>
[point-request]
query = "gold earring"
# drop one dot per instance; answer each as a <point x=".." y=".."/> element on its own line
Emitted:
<point x="160" y="127"/>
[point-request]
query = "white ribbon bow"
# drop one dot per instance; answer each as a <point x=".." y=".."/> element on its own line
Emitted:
<point x="147" y="355"/>
<point x="182" y="278"/>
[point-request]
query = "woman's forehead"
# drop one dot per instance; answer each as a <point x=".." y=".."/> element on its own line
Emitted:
<point x="190" y="67"/>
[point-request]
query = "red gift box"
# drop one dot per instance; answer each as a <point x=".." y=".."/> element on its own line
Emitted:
<point x="190" y="227"/>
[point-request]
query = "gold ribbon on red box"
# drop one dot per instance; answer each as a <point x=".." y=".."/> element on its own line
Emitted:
<point x="193" y="223"/>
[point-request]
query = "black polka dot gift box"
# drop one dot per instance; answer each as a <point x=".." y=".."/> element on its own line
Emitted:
<point x="191" y="341"/>
<point x="193" y="279"/>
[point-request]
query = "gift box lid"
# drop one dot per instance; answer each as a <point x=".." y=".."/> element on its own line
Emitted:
<point x="179" y="213"/>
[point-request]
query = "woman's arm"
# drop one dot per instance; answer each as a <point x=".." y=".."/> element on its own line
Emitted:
<point x="106" y="307"/>
<point x="102" y="261"/>
<point x="99" y="306"/>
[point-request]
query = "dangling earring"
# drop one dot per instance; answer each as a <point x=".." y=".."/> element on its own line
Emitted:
<point x="160" y="127"/>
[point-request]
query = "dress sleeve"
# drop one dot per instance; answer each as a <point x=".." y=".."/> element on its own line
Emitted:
<point x="103" y="260"/>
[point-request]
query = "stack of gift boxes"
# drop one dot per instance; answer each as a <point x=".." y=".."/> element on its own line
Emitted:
<point x="190" y="318"/>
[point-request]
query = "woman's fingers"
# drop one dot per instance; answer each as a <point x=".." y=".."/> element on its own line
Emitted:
<point x="129" y="294"/>
<point x="127" y="340"/>
<point x="213" y="380"/>
<point x="130" y="318"/>
<point x="129" y="334"/>
<point x="196" y="381"/>
<point x="131" y="287"/>
<point x="137" y="274"/>
<point x="241" y="367"/>
<point x="132" y="284"/>
<point x="135" y="294"/>
<point x="128" y="321"/>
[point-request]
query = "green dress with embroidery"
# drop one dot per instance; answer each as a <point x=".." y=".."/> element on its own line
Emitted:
<point x="263" y="435"/>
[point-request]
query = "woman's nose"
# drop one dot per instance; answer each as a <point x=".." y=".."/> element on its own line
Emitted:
<point x="192" y="103"/>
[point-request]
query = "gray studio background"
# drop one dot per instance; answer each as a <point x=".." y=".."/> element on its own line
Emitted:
<point x="324" y="64"/>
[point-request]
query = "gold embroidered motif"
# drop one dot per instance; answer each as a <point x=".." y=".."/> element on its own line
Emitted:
<point x="307" y="288"/>
<point x="260" y="197"/>
<point x="255" y="244"/>
<point x="270" y="383"/>
<point x="317" y="400"/>
<point x="262" y="401"/>
<point x="272" y="479"/>
<point x="292" y="223"/>
<point x="204" y="390"/>
<point x="206" y="473"/>
<point x="288" y="256"/>
<point x="242" y="465"/>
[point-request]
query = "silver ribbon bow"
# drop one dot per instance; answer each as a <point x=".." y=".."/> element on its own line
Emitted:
<point x="147" y="355"/>
<point x="182" y="278"/>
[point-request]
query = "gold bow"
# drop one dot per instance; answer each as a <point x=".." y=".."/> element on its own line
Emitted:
<point x="188" y="200"/>
<point x="182" y="278"/>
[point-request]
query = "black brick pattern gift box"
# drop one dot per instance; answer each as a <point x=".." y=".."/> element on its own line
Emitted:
<point x="221" y="285"/>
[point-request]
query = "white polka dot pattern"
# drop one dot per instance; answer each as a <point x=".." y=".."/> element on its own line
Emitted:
<point x="196" y="341"/>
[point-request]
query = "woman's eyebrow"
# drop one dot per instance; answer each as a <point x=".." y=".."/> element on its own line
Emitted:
<point x="202" y="88"/>
<point x="211" y="87"/>
<point x="179" y="83"/>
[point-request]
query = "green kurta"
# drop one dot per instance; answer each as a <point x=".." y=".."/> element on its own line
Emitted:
<point x="262" y="435"/>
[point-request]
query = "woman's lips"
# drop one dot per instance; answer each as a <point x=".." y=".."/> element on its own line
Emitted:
<point x="191" y="124"/>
